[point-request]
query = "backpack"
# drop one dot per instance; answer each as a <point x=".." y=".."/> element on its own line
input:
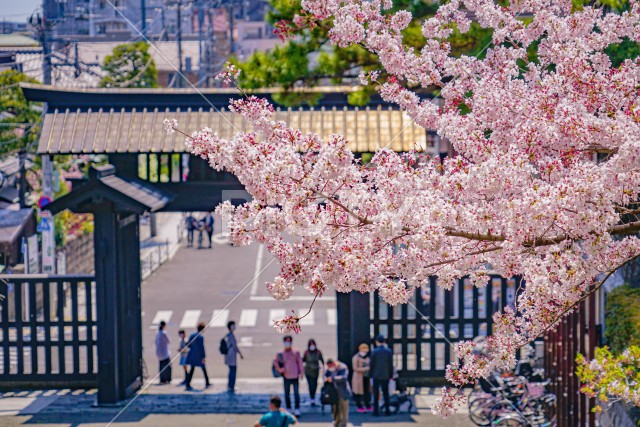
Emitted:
<point x="328" y="394"/>
<point x="274" y="371"/>
<point x="224" y="347"/>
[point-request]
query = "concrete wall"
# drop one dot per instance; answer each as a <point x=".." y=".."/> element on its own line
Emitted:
<point x="79" y="252"/>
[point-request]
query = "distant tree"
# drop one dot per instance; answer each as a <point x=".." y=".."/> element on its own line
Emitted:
<point x="18" y="117"/>
<point x="310" y="59"/>
<point x="130" y="65"/>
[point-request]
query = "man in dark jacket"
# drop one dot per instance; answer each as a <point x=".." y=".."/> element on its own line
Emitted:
<point x="196" y="356"/>
<point x="381" y="371"/>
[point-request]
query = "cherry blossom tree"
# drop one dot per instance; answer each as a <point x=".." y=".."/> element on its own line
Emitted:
<point x="544" y="183"/>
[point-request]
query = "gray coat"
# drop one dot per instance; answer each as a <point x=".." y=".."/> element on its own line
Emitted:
<point x="231" y="358"/>
<point x="340" y="380"/>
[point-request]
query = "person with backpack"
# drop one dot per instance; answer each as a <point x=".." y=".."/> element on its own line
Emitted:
<point x="229" y="349"/>
<point x="312" y="359"/>
<point x="276" y="417"/>
<point x="288" y="364"/>
<point x="360" y="382"/>
<point x="337" y="374"/>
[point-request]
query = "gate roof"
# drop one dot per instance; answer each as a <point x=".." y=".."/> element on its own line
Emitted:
<point x="107" y="121"/>
<point x="111" y="131"/>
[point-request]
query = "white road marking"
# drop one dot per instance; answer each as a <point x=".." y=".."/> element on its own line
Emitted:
<point x="190" y="319"/>
<point x="248" y="318"/>
<point x="162" y="315"/>
<point x="331" y="317"/>
<point x="246" y="342"/>
<point x="219" y="319"/>
<point x="309" y="319"/>
<point x="294" y="298"/>
<point x="275" y="314"/>
<point x="256" y="272"/>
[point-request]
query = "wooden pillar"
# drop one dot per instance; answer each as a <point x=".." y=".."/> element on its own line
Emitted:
<point x="118" y="303"/>
<point x="353" y="323"/>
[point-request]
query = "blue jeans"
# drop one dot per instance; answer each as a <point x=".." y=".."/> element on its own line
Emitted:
<point x="231" y="384"/>
<point x="287" y="392"/>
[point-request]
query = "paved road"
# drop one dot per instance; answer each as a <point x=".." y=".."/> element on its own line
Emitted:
<point x="227" y="283"/>
<point x="162" y="406"/>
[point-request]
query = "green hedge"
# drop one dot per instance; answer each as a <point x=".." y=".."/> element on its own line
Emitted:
<point x="622" y="326"/>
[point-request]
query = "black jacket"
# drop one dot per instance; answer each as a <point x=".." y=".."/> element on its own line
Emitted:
<point x="381" y="367"/>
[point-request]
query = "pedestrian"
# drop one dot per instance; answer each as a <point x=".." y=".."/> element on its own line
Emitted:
<point x="183" y="349"/>
<point x="208" y="226"/>
<point x="196" y="356"/>
<point x="276" y="417"/>
<point x="288" y="363"/>
<point x="164" y="356"/>
<point x="381" y="370"/>
<point x="338" y="374"/>
<point x="229" y="348"/>
<point x="200" y="228"/>
<point x="190" y="223"/>
<point x="360" y="381"/>
<point x="312" y="359"/>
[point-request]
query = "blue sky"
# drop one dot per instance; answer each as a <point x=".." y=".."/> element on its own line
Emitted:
<point x="17" y="10"/>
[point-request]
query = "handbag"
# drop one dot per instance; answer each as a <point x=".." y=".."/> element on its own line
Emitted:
<point x="274" y="371"/>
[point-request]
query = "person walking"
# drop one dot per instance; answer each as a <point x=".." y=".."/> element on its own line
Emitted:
<point x="360" y="382"/>
<point x="190" y="223"/>
<point x="183" y="350"/>
<point x="196" y="356"/>
<point x="312" y="359"/>
<point x="338" y="374"/>
<point x="381" y="370"/>
<point x="164" y="356"/>
<point x="231" y="352"/>
<point x="276" y="417"/>
<point x="288" y="364"/>
<point x="208" y="226"/>
<point x="200" y="229"/>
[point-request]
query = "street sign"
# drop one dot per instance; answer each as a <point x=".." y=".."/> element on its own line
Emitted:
<point x="44" y="201"/>
<point x="43" y="225"/>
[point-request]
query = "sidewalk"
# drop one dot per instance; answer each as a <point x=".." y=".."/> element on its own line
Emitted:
<point x="170" y="405"/>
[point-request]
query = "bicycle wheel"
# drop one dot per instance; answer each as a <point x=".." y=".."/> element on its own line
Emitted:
<point x="511" y="420"/>
<point x="480" y="409"/>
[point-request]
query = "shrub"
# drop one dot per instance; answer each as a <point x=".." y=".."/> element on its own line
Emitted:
<point x="622" y="327"/>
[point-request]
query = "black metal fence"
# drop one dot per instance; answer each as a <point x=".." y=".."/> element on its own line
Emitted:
<point x="48" y="331"/>
<point x="420" y="332"/>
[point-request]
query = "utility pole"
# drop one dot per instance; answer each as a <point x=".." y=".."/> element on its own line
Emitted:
<point x="231" y="47"/>
<point x="179" y="37"/>
<point x="143" y="10"/>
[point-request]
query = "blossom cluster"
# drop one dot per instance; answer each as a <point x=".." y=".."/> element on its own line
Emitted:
<point x="525" y="194"/>
<point x="611" y="377"/>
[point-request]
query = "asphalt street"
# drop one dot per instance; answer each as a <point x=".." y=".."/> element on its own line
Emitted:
<point x="228" y="283"/>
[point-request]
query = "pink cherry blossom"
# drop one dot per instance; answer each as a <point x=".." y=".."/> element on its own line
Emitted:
<point x="544" y="183"/>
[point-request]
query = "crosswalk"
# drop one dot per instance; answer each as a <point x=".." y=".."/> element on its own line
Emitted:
<point x="246" y="318"/>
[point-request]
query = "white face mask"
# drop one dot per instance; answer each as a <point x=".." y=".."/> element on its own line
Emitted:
<point x="312" y="347"/>
<point x="287" y="344"/>
<point x="363" y="354"/>
<point x="333" y="369"/>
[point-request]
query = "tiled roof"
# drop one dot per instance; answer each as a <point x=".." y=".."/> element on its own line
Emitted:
<point x="16" y="40"/>
<point x="142" y="193"/>
<point x="109" y="131"/>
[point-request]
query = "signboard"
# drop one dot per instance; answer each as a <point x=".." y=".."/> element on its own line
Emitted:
<point x="33" y="260"/>
<point x="48" y="243"/>
<point x="61" y="263"/>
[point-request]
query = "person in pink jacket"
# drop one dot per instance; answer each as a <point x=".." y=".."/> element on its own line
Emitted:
<point x="288" y="364"/>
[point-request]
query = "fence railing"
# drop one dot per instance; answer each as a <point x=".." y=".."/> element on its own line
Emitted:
<point x="153" y="257"/>
<point x="48" y="332"/>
